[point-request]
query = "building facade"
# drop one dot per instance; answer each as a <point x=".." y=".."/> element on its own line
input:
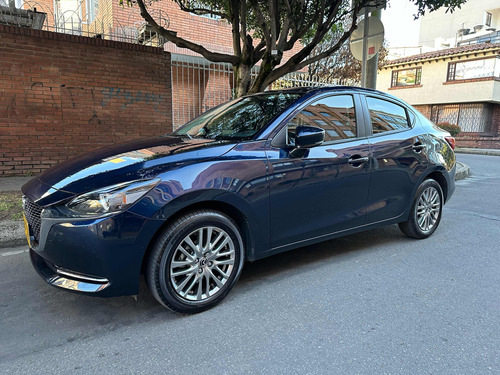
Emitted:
<point x="197" y="84"/>
<point x="458" y="85"/>
<point x="472" y="21"/>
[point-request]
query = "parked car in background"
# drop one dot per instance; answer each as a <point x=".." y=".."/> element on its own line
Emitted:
<point x="250" y="178"/>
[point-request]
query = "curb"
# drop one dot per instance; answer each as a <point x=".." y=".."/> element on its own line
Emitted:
<point x="477" y="151"/>
<point x="12" y="232"/>
<point x="463" y="171"/>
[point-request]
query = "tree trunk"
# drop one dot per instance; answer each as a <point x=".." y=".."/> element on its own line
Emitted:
<point x="262" y="80"/>
<point x="242" y="76"/>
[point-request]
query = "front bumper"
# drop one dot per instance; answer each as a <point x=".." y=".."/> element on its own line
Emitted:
<point x="62" y="278"/>
<point x="101" y="257"/>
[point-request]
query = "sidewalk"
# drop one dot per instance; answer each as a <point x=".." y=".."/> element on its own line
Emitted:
<point x="13" y="183"/>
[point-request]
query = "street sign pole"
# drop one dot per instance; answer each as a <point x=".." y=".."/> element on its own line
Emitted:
<point x="364" y="60"/>
<point x="372" y="64"/>
<point x="367" y="40"/>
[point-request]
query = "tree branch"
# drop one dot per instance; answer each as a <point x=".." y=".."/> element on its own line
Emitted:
<point x="200" y="11"/>
<point x="297" y="61"/>
<point x="183" y="43"/>
<point x="262" y="22"/>
<point x="234" y="14"/>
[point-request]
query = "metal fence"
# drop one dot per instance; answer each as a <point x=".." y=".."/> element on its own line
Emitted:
<point x="304" y="79"/>
<point x="471" y="117"/>
<point x="198" y="85"/>
<point x="81" y="19"/>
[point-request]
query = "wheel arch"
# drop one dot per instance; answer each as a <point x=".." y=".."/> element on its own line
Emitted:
<point x="225" y="208"/>
<point x="439" y="177"/>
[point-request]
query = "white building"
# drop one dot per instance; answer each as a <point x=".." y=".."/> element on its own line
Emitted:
<point x="459" y="85"/>
<point x="475" y="19"/>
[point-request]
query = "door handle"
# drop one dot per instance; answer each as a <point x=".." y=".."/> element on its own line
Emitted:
<point x="418" y="147"/>
<point x="357" y="160"/>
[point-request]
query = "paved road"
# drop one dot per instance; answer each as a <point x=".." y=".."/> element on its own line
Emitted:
<point x="372" y="303"/>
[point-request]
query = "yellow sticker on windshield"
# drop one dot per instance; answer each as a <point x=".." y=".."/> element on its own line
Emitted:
<point x="117" y="160"/>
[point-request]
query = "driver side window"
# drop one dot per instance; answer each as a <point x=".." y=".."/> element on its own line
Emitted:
<point x="334" y="114"/>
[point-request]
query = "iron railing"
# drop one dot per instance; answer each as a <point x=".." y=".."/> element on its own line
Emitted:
<point x="471" y="117"/>
<point x="78" y="21"/>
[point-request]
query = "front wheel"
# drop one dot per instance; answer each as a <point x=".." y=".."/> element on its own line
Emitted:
<point x="426" y="211"/>
<point x="195" y="262"/>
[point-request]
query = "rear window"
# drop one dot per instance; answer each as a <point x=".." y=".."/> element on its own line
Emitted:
<point x="386" y="116"/>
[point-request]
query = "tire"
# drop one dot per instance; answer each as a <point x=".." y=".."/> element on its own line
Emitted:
<point x="189" y="278"/>
<point x="426" y="211"/>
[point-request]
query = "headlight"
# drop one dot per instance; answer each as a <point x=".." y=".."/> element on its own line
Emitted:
<point x="112" y="198"/>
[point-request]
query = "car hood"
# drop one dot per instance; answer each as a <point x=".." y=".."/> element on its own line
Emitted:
<point x="111" y="165"/>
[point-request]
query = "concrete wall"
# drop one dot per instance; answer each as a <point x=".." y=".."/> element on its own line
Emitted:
<point x="64" y="95"/>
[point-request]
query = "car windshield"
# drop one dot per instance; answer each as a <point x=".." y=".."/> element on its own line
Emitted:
<point x="239" y="119"/>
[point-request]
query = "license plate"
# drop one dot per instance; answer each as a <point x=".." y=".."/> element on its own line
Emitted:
<point x="26" y="230"/>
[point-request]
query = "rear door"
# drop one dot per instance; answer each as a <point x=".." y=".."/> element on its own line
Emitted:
<point x="398" y="157"/>
<point x="323" y="190"/>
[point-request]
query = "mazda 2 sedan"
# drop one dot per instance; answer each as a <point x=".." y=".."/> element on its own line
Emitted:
<point x="250" y="178"/>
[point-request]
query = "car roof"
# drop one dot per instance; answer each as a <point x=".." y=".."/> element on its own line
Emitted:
<point x="311" y="90"/>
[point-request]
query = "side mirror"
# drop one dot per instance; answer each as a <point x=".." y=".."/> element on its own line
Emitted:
<point x="308" y="136"/>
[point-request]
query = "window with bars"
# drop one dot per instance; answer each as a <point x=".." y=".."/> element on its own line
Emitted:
<point x="406" y="77"/>
<point x="471" y="117"/>
<point x="480" y="68"/>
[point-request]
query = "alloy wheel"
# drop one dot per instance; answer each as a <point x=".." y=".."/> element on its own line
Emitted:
<point x="428" y="209"/>
<point x="202" y="263"/>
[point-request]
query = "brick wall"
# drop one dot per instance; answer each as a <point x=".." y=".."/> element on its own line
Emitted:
<point x="424" y="109"/>
<point x="64" y="95"/>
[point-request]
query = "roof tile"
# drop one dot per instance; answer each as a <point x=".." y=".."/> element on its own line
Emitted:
<point x="444" y="53"/>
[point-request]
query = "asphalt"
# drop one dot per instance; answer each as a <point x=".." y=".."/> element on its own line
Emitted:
<point x="12" y="232"/>
<point x="371" y="303"/>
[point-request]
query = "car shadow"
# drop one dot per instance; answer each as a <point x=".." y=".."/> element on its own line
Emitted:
<point x="293" y="262"/>
<point x="276" y="267"/>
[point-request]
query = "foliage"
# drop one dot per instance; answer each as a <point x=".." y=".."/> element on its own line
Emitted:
<point x="10" y="205"/>
<point x="453" y="129"/>
<point x="340" y="65"/>
<point x="262" y="30"/>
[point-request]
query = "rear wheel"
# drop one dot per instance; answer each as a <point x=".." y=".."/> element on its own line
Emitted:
<point x="426" y="210"/>
<point x="195" y="262"/>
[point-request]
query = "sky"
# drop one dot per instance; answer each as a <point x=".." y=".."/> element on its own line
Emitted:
<point x="401" y="30"/>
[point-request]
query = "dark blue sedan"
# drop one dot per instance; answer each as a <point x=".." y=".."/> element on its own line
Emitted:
<point x="250" y="178"/>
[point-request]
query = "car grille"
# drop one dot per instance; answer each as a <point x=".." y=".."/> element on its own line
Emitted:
<point x="33" y="213"/>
